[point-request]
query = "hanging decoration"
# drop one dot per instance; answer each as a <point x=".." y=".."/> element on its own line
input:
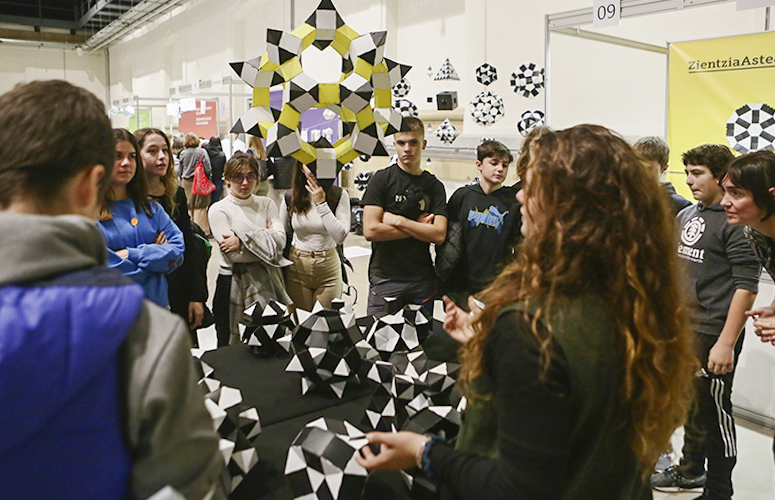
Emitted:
<point x="362" y="96"/>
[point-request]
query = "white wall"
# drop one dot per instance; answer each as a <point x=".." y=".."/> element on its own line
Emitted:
<point x="23" y="64"/>
<point x="590" y="81"/>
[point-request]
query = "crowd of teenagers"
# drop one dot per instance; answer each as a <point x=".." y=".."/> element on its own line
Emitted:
<point x="597" y="310"/>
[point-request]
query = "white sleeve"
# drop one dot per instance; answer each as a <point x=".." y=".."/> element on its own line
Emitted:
<point x="278" y="228"/>
<point x="337" y="226"/>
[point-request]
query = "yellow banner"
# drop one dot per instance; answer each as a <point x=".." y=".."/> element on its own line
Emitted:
<point x="720" y="91"/>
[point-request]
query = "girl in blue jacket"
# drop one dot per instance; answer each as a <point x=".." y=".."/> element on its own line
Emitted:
<point x="143" y="243"/>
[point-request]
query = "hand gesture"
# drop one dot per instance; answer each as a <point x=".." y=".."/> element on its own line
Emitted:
<point x="316" y="193"/>
<point x="396" y="451"/>
<point x="230" y="243"/>
<point x="160" y="239"/>
<point x="764" y="323"/>
<point x="458" y="323"/>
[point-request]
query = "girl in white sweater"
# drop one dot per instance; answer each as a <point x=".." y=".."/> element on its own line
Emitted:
<point x="318" y="227"/>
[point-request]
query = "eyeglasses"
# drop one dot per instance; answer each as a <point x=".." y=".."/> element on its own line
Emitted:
<point x="239" y="178"/>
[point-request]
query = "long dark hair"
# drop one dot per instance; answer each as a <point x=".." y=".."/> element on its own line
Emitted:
<point x="604" y="226"/>
<point x="300" y="200"/>
<point x="136" y="188"/>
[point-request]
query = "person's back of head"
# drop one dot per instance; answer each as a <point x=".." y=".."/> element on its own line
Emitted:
<point x="653" y="151"/>
<point x="68" y="133"/>
<point x="191" y="141"/>
<point x="214" y="143"/>
<point x="524" y="153"/>
<point x="714" y="156"/>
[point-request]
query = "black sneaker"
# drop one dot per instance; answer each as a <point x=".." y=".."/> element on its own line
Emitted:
<point x="672" y="477"/>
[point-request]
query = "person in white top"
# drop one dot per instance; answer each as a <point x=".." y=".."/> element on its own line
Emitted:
<point x="318" y="227"/>
<point x="239" y="212"/>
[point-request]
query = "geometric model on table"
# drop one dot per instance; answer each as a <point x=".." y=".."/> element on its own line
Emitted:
<point x="446" y="132"/>
<point x="405" y="107"/>
<point x="486" y="108"/>
<point x="261" y="330"/>
<point x="529" y="121"/>
<point x="528" y="80"/>
<point x="321" y="461"/>
<point x="447" y="72"/>
<point x="361" y="97"/>
<point x="323" y="346"/>
<point x="402" y="88"/>
<point x="486" y="74"/>
<point x="751" y="128"/>
<point x="238" y="427"/>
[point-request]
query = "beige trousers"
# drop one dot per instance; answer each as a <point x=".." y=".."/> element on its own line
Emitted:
<point x="313" y="276"/>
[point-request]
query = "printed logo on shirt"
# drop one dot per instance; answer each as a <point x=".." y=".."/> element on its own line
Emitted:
<point x="691" y="234"/>
<point x="491" y="217"/>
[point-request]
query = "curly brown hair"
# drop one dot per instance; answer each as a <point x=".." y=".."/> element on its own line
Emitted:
<point x="604" y="227"/>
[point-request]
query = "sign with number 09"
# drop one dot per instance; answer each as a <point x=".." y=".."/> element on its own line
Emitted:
<point x="606" y="13"/>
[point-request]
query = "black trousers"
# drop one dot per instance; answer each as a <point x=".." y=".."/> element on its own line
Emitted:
<point x="710" y="430"/>
<point x="221" y="309"/>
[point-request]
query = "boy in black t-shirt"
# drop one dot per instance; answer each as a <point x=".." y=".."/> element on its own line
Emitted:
<point x="404" y="211"/>
<point x="490" y="219"/>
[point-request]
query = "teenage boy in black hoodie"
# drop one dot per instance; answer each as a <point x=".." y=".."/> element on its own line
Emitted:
<point x="490" y="219"/>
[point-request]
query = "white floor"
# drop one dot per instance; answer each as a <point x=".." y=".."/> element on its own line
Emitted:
<point x="754" y="475"/>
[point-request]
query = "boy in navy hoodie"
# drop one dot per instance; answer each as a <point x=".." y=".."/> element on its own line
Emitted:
<point x="489" y="215"/>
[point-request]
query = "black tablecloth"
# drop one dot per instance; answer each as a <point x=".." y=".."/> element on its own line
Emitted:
<point x="276" y="394"/>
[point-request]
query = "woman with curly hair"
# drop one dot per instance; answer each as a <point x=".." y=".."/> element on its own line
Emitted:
<point x="579" y="368"/>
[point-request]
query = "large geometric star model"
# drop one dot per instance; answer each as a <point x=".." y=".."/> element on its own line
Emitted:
<point x="362" y="97"/>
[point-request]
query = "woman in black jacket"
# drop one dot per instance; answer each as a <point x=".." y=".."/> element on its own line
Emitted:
<point x="217" y="162"/>
<point x="187" y="285"/>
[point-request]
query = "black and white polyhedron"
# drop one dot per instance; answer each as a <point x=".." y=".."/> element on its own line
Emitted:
<point x="238" y="426"/>
<point x="321" y="461"/>
<point x="486" y="74"/>
<point x="323" y="346"/>
<point x="261" y="329"/>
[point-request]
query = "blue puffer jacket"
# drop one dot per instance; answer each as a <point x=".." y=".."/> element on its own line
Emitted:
<point x="60" y="426"/>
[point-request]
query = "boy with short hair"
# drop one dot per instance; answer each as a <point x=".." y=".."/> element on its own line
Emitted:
<point x="102" y="394"/>
<point x="490" y="221"/>
<point x="655" y="154"/>
<point x="404" y="211"/>
<point x="724" y="277"/>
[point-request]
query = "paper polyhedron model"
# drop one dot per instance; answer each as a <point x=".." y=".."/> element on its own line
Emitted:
<point x="321" y="461"/>
<point x="446" y="132"/>
<point x="238" y="427"/>
<point x="529" y="121"/>
<point x="446" y="72"/>
<point x="486" y="74"/>
<point x="392" y="333"/>
<point x="362" y="180"/>
<point x="262" y="329"/>
<point x="406" y="107"/>
<point x="326" y="21"/>
<point x="528" y="80"/>
<point x="440" y="420"/>
<point x="752" y="128"/>
<point x="361" y="97"/>
<point x="402" y="88"/>
<point x="324" y="351"/>
<point x="486" y="108"/>
<point x="412" y="363"/>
